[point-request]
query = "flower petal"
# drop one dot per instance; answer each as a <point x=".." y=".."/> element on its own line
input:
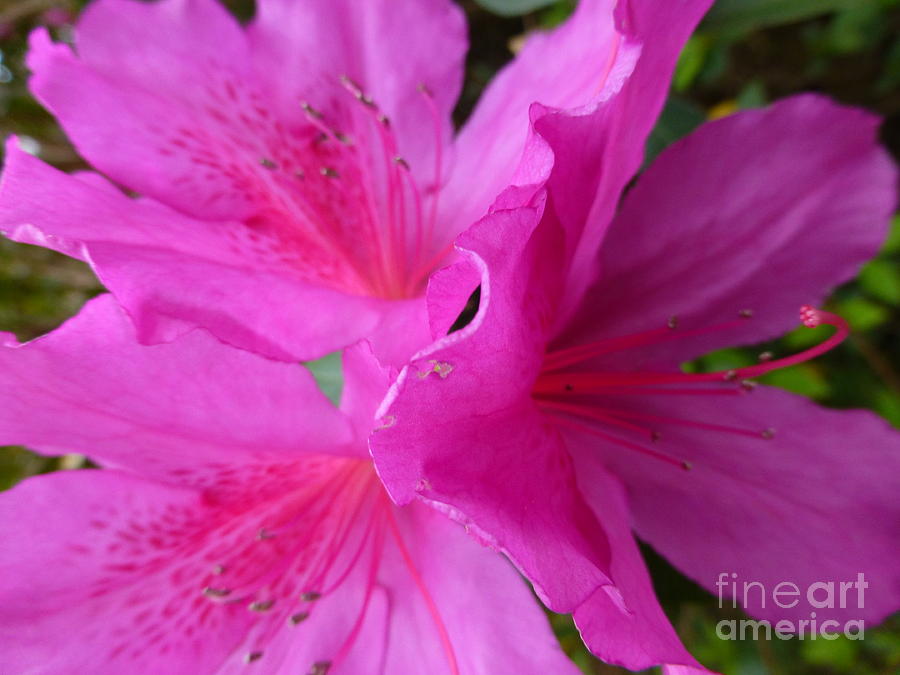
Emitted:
<point x="90" y="388"/>
<point x="389" y="47"/>
<point x="254" y="564"/>
<point x="815" y="503"/>
<point x="637" y="635"/>
<point x="595" y="149"/>
<point x="432" y="617"/>
<point x="460" y="431"/>
<point x="176" y="101"/>
<point x="80" y="592"/>
<point x="765" y="210"/>
<point x="173" y="273"/>
<point x="564" y="68"/>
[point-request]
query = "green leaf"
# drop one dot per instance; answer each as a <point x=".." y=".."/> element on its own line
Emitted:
<point x="887" y="403"/>
<point x="862" y="314"/>
<point x="753" y="96"/>
<point x="690" y="62"/>
<point x="513" y="7"/>
<point x="804" y="379"/>
<point x="679" y="118"/>
<point x="880" y="278"/>
<point x="736" y="17"/>
<point x="892" y="245"/>
<point x="329" y="375"/>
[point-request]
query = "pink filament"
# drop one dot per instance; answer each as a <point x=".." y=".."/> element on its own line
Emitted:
<point x="426" y="596"/>
<point x="681" y="464"/>
<point x="549" y="382"/>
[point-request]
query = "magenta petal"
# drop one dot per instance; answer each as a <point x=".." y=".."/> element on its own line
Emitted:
<point x="173" y="99"/>
<point x="460" y="431"/>
<point x="81" y="593"/>
<point x="564" y="68"/>
<point x="455" y="601"/>
<point x="390" y="47"/>
<point x="90" y="388"/>
<point x="817" y="502"/>
<point x="628" y="630"/>
<point x="173" y="272"/>
<point x="597" y="150"/>
<point x="765" y="210"/>
<point x="684" y="670"/>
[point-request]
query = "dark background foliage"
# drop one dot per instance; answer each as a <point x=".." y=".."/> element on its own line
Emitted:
<point x="745" y="54"/>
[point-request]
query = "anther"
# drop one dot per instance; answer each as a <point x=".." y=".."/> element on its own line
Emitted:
<point x="343" y="138"/>
<point x="384" y="120"/>
<point x="267" y="163"/>
<point x="328" y="172"/>
<point x="766" y="356"/>
<point x="218" y="569"/>
<point x="309" y="110"/>
<point x="730" y="375"/>
<point x="310" y="596"/>
<point x="768" y="434"/>
<point x="261" y="605"/>
<point x="810" y="316"/>
<point x="687" y="466"/>
<point x="263" y="533"/>
<point x="299" y="174"/>
<point x="423" y="89"/>
<point x="749" y="385"/>
<point x="672" y="322"/>
<point x="401" y="162"/>
<point x="320" y="668"/>
<point x="250" y="657"/>
<point x="211" y="592"/>
<point x="297" y="618"/>
<point x="745" y="313"/>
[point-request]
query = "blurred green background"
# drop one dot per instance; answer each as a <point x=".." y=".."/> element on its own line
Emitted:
<point x="745" y="54"/>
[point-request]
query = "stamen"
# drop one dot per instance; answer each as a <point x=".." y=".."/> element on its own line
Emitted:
<point x="310" y="111"/>
<point x="298" y="618"/>
<point x="438" y="159"/>
<point x="593" y="382"/>
<point x="766" y="433"/>
<point x="572" y="355"/>
<point x="599" y="415"/>
<point x="680" y="463"/>
<point x="426" y="596"/>
<point x="250" y="657"/>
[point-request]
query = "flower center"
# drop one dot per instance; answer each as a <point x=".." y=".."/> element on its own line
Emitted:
<point x="345" y="207"/>
<point x="279" y="558"/>
<point x="585" y="401"/>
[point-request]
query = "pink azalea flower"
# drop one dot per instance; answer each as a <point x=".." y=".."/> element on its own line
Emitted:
<point x="239" y="526"/>
<point x="559" y="421"/>
<point x="299" y="177"/>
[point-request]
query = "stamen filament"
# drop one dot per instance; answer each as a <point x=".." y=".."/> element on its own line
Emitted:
<point x="681" y="464"/>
